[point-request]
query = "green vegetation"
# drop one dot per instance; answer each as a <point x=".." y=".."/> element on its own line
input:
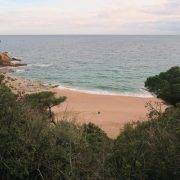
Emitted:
<point x="166" y="85"/>
<point x="148" y="150"/>
<point x="32" y="147"/>
<point x="43" y="100"/>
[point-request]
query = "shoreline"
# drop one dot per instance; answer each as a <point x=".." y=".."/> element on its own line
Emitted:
<point x="109" y="112"/>
<point x="144" y="94"/>
<point x="105" y="93"/>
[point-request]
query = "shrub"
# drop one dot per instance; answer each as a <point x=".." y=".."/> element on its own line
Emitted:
<point x="166" y="85"/>
<point x="148" y="150"/>
<point x="33" y="148"/>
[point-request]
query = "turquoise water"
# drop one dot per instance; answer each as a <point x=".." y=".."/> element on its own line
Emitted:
<point x="97" y="64"/>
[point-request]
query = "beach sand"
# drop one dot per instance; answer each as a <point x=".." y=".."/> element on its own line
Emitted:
<point x="109" y="112"/>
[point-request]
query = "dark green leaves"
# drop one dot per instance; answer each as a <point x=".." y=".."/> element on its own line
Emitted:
<point x="166" y="85"/>
<point x="44" y="100"/>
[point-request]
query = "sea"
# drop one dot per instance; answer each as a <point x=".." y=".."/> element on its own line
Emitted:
<point x="97" y="64"/>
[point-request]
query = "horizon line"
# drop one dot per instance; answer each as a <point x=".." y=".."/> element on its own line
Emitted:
<point x="89" y="34"/>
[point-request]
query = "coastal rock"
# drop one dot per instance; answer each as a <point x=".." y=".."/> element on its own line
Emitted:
<point x="15" y="59"/>
<point x="6" y="60"/>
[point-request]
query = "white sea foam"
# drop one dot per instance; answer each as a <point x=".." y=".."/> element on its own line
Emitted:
<point x="20" y="70"/>
<point x="144" y="94"/>
<point x="40" y="65"/>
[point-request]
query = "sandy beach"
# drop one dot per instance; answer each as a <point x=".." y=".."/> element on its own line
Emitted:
<point x="109" y="112"/>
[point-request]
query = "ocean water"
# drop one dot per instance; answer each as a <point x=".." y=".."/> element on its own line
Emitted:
<point x="96" y="64"/>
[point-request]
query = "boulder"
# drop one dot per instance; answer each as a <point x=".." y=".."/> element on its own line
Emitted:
<point x="15" y="59"/>
<point x="6" y="60"/>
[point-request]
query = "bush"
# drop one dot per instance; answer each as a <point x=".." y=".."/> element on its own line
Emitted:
<point x="166" y="85"/>
<point x="33" y="148"/>
<point x="148" y="150"/>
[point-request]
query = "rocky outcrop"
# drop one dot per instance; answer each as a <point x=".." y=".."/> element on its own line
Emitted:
<point x="6" y="60"/>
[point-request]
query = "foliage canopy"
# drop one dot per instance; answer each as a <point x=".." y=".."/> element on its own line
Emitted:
<point x="166" y="85"/>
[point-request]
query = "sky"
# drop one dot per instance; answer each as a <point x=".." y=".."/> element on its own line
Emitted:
<point x="90" y="17"/>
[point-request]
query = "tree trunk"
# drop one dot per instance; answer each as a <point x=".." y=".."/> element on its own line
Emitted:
<point x="51" y="115"/>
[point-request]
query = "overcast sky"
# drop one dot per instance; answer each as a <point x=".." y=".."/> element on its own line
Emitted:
<point x="89" y="16"/>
